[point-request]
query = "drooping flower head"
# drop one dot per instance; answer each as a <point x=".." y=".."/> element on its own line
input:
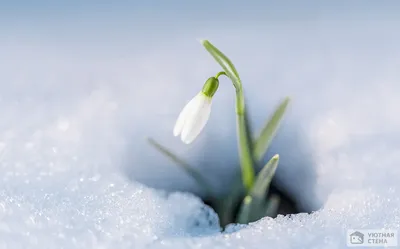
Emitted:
<point x="195" y="114"/>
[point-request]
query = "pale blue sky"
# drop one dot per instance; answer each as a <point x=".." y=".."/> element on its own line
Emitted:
<point x="196" y="10"/>
<point x="143" y="21"/>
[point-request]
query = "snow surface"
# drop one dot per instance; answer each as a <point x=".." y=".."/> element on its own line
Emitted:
<point x="74" y="118"/>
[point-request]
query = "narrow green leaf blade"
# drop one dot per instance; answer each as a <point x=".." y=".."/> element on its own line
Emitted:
<point x="252" y="209"/>
<point x="245" y="210"/>
<point x="254" y="205"/>
<point x="272" y="205"/>
<point x="197" y="176"/>
<point x="223" y="60"/>
<point x="264" y="178"/>
<point x="268" y="132"/>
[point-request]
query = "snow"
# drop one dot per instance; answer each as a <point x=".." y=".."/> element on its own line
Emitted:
<point x="101" y="214"/>
<point x="323" y="229"/>
<point x="75" y="117"/>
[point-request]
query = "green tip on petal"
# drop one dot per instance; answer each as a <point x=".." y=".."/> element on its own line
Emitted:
<point x="210" y="87"/>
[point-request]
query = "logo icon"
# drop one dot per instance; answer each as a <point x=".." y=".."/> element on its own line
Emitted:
<point x="372" y="238"/>
<point x="357" y="238"/>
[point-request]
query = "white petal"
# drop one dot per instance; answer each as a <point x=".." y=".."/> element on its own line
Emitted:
<point x="180" y="122"/>
<point x="196" y="119"/>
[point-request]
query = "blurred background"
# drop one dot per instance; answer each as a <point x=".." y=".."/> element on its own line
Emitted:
<point x="84" y="83"/>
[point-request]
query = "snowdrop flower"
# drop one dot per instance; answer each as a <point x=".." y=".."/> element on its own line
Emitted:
<point x="195" y="114"/>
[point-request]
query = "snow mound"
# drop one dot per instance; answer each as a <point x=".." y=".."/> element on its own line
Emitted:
<point x="346" y="209"/>
<point x="98" y="214"/>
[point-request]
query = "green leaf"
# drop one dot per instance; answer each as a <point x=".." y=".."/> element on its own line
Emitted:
<point x="246" y="210"/>
<point x="268" y="132"/>
<point x="264" y="178"/>
<point x="225" y="63"/>
<point x="254" y="205"/>
<point x="197" y="176"/>
<point x="272" y="205"/>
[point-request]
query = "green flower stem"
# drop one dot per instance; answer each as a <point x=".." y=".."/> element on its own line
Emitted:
<point x="220" y="73"/>
<point x="245" y="154"/>
<point x="246" y="160"/>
